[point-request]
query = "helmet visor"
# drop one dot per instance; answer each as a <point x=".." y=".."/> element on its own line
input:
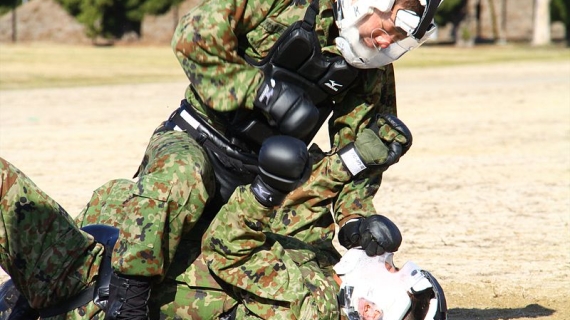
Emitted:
<point x="399" y="48"/>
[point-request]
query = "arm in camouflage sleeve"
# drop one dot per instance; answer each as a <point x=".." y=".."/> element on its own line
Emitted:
<point x="376" y="94"/>
<point x="330" y="180"/>
<point x="206" y="45"/>
<point x="277" y="281"/>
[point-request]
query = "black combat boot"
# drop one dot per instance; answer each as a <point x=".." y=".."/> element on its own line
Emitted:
<point x="128" y="298"/>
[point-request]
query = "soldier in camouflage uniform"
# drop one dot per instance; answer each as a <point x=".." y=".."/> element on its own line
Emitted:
<point x="243" y="89"/>
<point x="50" y="269"/>
<point x="279" y="276"/>
<point x="282" y="278"/>
<point x="246" y="61"/>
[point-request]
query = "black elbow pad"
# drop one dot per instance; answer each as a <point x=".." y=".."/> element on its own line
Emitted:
<point x="290" y="109"/>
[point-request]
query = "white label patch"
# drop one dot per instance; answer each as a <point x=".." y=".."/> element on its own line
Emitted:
<point x="352" y="161"/>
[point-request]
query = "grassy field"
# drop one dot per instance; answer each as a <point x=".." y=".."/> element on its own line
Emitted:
<point x="24" y="66"/>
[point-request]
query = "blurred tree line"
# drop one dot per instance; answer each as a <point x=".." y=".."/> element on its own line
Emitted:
<point x="107" y="18"/>
<point x="461" y="13"/>
<point x="115" y="18"/>
<point x="560" y="11"/>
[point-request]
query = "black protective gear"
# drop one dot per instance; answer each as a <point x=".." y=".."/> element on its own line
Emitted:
<point x="9" y="295"/>
<point x="289" y="108"/>
<point x="379" y="234"/>
<point x="283" y="165"/>
<point x="297" y="57"/>
<point x="403" y="136"/>
<point x="428" y="302"/>
<point x="107" y="236"/>
<point x="375" y="234"/>
<point x="349" y="235"/>
<point x="128" y="298"/>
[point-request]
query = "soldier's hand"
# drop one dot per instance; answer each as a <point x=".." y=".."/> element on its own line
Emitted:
<point x="379" y="146"/>
<point x="379" y="234"/>
<point x="375" y="234"/>
<point x="284" y="164"/>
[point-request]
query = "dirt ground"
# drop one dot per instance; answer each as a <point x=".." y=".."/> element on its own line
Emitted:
<point x="482" y="198"/>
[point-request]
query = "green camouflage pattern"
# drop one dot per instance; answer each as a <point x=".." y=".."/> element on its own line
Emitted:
<point x="222" y="81"/>
<point x="174" y="184"/>
<point x="188" y="291"/>
<point x="267" y="263"/>
<point x="48" y="257"/>
<point x="276" y="276"/>
<point x="388" y="133"/>
<point x="206" y="45"/>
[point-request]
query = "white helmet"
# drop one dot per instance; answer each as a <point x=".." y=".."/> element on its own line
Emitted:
<point x="372" y="288"/>
<point x="349" y="15"/>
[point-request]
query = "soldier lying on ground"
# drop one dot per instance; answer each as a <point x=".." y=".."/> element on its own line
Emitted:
<point x="246" y="270"/>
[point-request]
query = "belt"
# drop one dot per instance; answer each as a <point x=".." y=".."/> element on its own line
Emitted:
<point x="187" y="119"/>
<point x="79" y="300"/>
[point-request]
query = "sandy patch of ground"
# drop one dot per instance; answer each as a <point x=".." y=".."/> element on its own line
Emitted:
<point x="482" y="198"/>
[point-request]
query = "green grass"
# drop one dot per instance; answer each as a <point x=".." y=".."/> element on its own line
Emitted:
<point x="24" y="66"/>
<point x="48" y="65"/>
<point x="436" y="55"/>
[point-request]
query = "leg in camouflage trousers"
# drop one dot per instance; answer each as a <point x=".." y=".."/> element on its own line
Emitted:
<point x="41" y="248"/>
<point x="50" y="260"/>
<point x="174" y="184"/>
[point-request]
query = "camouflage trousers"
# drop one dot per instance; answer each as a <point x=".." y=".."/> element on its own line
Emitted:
<point x="51" y="260"/>
<point x="275" y="276"/>
<point x="175" y="182"/>
<point x="48" y="258"/>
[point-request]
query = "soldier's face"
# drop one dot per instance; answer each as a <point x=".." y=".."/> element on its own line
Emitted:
<point x="378" y="30"/>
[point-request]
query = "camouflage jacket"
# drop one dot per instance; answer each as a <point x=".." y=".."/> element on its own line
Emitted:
<point x="207" y="43"/>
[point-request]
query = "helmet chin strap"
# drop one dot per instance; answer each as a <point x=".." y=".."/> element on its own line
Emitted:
<point x="372" y="37"/>
<point x="357" y="54"/>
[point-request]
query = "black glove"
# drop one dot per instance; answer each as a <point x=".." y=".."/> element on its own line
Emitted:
<point x="395" y="133"/>
<point x="378" y="146"/>
<point x="289" y="108"/>
<point x="283" y="166"/>
<point x="375" y="234"/>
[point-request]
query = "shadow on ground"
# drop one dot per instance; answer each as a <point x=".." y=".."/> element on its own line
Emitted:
<point x="530" y="311"/>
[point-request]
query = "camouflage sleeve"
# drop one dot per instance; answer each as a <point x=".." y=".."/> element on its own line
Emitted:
<point x="375" y="94"/>
<point x="274" y="280"/>
<point x="235" y="240"/>
<point x="206" y="45"/>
